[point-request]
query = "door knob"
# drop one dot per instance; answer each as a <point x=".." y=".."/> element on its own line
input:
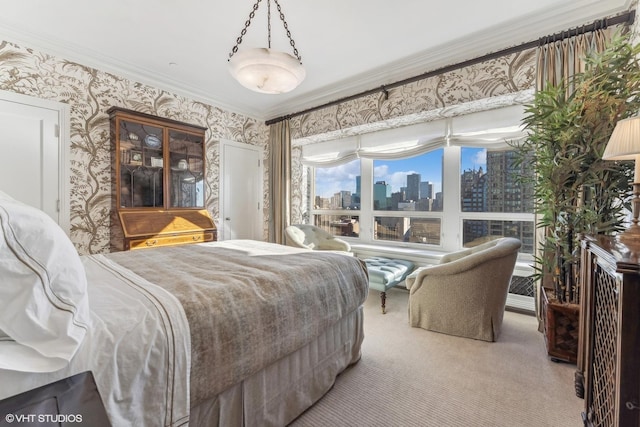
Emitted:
<point x="227" y="219"/>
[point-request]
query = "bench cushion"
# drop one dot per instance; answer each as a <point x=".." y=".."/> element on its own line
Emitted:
<point x="384" y="273"/>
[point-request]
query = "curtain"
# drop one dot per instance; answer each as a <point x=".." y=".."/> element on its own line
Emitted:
<point x="558" y="61"/>
<point x="279" y="180"/>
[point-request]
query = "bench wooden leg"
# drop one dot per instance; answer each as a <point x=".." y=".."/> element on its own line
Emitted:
<point x="383" y="300"/>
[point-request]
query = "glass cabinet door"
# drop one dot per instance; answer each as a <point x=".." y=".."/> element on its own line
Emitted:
<point x="141" y="165"/>
<point x="186" y="172"/>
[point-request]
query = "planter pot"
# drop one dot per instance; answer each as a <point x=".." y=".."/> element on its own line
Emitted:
<point x="561" y="325"/>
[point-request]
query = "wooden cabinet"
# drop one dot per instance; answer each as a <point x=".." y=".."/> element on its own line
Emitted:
<point x="608" y="371"/>
<point x="158" y="172"/>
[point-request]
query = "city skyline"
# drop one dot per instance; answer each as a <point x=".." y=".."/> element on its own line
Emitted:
<point x="330" y="181"/>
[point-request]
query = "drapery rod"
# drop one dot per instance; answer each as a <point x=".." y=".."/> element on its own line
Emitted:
<point x="625" y="18"/>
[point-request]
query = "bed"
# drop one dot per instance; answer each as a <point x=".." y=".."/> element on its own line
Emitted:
<point x="223" y="333"/>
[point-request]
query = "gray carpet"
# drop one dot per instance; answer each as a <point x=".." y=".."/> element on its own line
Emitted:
<point x="413" y="377"/>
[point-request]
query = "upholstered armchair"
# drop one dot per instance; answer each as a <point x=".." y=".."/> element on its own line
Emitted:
<point x="312" y="237"/>
<point x="464" y="295"/>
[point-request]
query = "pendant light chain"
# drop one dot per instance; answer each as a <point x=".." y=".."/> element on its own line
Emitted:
<point x="282" y="18"/>
<point x="286" y="27"/>
<point x="269" y="23"/>
<point x="244" y="30"/>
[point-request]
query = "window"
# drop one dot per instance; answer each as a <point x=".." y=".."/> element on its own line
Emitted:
<point x="412" y="184"/>
<point x="339" y="225"/>
<point x="403" y="201"/>
<point x="414" y="187"/>
<point x="491" y="183"/>
<point x="337" y="198"/>
<point x="477" y="231"/>
<point x="447" y="183"/>
<point x="408" y="229"/>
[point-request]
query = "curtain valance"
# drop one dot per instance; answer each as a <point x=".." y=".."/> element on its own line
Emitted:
<point x="491" y="129"/>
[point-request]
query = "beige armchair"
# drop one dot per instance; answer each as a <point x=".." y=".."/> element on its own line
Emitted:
<point x="466" y="293"/>
<point x="312" y="237"/>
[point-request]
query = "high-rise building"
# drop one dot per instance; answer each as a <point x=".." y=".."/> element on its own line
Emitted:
<point x="473" y="185"/>
<point x="346" y="199"/>
<point x="396" y="198"/>
<point x="322" y="203"/>
<point x="341" y="200"/>
<point x="355" y="197"/>
<point x="505" y="193"/>
<point x="413" y="186"/>
<point x="381" y="195"/>
<point x="426" y="190"/>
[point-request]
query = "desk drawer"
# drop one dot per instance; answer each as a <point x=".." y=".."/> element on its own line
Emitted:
<point x="178" y="239"/>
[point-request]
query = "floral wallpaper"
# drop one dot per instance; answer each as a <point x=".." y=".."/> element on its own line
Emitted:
<point x="90" y="93"/>
<point x="507" y="74"/>
<point x="635" y="28"/>
<point x="472" y="88"/>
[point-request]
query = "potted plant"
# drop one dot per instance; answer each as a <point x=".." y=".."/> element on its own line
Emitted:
<point x="576" y="191"/>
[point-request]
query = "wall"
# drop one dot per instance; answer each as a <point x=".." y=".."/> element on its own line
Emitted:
<point x="635" y="28"/>
<point x="465" y="90"/>
<point x="90" y="93"/>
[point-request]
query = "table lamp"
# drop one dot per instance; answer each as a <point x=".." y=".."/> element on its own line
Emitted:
<point x="624" y="144"/>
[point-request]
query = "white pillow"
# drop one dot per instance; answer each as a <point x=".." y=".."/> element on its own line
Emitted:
<point x="44" y="308"/>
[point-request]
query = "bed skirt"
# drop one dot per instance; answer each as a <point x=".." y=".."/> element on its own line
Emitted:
<point x="282" y="391"/>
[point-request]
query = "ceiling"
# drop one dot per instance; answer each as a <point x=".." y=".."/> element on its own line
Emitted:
<point x="347" y="46"/>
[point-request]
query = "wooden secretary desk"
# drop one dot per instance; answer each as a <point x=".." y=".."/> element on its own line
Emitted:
<point x="608" y="373"/>
<point x="158" y="172"/>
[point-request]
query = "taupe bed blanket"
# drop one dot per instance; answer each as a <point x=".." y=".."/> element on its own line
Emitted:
<point x="249" y="303"/>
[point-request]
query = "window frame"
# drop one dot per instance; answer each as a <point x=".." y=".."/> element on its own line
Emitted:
<point x="452" y="217"/>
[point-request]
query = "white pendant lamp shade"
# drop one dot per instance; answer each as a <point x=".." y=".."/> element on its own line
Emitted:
<point x="266" y="70"/>
<point x="262" y="69"/>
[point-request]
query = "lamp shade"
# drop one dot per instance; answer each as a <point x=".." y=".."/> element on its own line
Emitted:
<point x="624" y="143"/>
<point x="267" y="71"/>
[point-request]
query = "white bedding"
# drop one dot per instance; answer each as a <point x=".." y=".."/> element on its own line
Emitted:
<point x="140" y="352"/>
<point x="44" y="309"/>
<point x="146" y="378"/>
<point x="249" y="303"/>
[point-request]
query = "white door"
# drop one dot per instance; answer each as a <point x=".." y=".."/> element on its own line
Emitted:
<point x="241" y="189"/>
<point x="32" y="157"/>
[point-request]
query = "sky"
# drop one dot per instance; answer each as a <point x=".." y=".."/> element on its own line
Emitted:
<point x="332" y="180"/>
